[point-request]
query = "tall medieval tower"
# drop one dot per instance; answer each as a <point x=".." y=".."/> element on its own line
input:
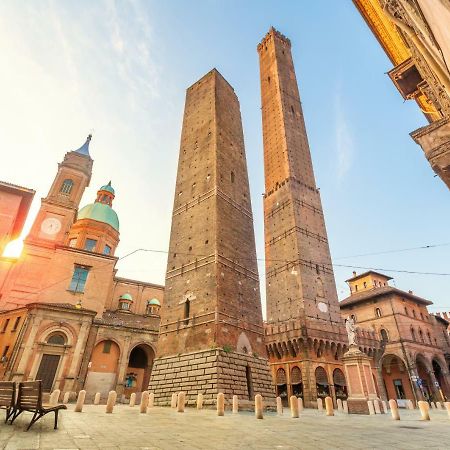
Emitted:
<point x="302" y="303"/>
<point x="211" y="334"/>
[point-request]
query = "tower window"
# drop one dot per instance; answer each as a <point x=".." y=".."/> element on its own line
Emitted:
<point x="378" y="312"/>
<point x="232" y="177"/>
<point x="90" y="244"/>
<point x="107" y="250"/>
<point x="66" y="187"/>
<point x="72" y="242"/>
<point x="187" y="310"/>
<point x="79" y="278"/>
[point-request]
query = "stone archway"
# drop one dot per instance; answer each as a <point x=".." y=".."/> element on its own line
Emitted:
<point x="425" y="381"/>
<point x="396" y="378"/>
<point x="140" y="364"/>
<point x="440" y="378"/>
<point x="281" y="385"/>
<point x="340" y="384"/>
<point x="322" y="384"/>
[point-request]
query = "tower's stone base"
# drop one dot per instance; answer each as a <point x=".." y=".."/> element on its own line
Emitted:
<point x="209" y="372"/>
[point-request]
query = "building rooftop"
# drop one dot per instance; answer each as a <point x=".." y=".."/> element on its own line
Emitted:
<point x="369" y="272"/>
<point x="359" y="297"/>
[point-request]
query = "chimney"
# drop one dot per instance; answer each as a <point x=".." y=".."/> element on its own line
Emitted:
<point x="354" y="273"/>
<point x="410" y="292"/>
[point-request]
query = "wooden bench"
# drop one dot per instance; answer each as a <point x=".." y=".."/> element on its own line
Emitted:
<point x="7" y="397"/>
<point x="30" y="399"/>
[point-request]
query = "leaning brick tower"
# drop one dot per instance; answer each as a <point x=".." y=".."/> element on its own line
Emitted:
<point x="211" y="332"/>
<point x="304" y="327"/>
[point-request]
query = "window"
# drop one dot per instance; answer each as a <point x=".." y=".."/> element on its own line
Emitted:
<point x="413" y="334"/>
<point x="353" y="317"/>
<point x="429" y="338"/>
<point x="5" y="351"/>
<point x="421" y="316"/>
<point x="365" y="284"/>
<point x="124" y="306"/>
<point x="384" y="335"/>
<point x="406" y="311"/>
<point x="107" y="250"/>
<point x="187" y="309"/>
<point x="56" y="339"/>
<point x="66" y="187"/>
<point x="79" y="278"/>
<point x="90" y="244"/>
<point x="399" y="389"/>
<point x="16" y="324"/>
<point x="378" y="312"/>
<point x="421" y="335"/>
<point x="414" y="313"/>
<point x="232" y="177"/>
<point x="5" y="325"/>
<point x="72" y="242"/>
<point x="356" y="287"/>
<point x="107" y="346"/>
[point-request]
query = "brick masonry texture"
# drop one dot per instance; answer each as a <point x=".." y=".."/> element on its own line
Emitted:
<point x="210" y="372"/>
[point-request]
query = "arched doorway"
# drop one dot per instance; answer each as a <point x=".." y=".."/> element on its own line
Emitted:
<point x="102" y="374"/>
<point x="396" y="378"/>
<point x="139" y="368"/>
<point x="424" y="381"/>
<point x="297" y="382"/>
<point x="282" y="386"/>
<point x="340" y="385"/>
<point x="322" y="385"/>
<point x="439" y="375"/>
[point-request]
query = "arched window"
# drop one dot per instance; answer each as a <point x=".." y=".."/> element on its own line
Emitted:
<point x="406" y="311"/>
<point x="340" y="384"/>
<point x="56" y="339"/>
<point x="281" y="387"/>
<point x="296" y="382"/>
<point x="232" y="177"/>
<point x="414" y="313"/>
<point x="187" y="310"/>
<point x="429" y="338"/>
<point x="378" y="312"/>
<point x="413" y="334"/>
<point x="384" y="335"/>
<point x="66" y="187"/>
<point x="322" y="386"/>
<point x="421" y="335"/>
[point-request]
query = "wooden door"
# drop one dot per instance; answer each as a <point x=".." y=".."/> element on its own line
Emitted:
<point x="47" y="371"/>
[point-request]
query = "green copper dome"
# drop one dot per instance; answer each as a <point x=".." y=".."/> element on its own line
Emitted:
<point x="153" y="301"/>
<point x="101" y="213"/>
<point x="108" y="188"/>
<point x="126" y="297"/>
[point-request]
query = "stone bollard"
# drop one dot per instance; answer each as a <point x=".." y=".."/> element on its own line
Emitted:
<point x="54" y="397"/>
<point x="300" y="405"/>
<point x="280" y="406"/>
<point x="97" y="398"/>
<point x="235" y="404"/>
<point x="371" y="408"/>
<point x="151" y="400"/>
<point x="376" y="405"/>
<point x="144" y="403"/>
<point x="66" y="398"/>
<point x="384" y="406"/>
<point x="319" y="404"/>
<point x="409" y="404"/>
<point x="173" y="402"/>
<point x="329" y="406"/>
<point x="199" y="401"/>
<point x="258" y="406"/>
<point x="433" y="405"/>
<point x="80" y="401"/>
<point x="447" y="407"/>
<point x="423" y="406"/>
<point x="112" y="396"/>
<point x="339" y="404"/>
<point x="345" y="406"/>
<point x="439" y="405"/>
<point x="132" y="399"/>
<point x="394" y="409"/>
<point x="294" y="407"/>
<point x="181" y="401"/>
<point x="220" y="404"/>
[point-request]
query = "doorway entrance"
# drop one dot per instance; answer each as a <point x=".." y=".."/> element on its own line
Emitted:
<point x="47" y="371"/>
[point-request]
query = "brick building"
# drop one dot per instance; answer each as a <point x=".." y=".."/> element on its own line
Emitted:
<point x="65" y="317"/>
<point x="414" y="364"/>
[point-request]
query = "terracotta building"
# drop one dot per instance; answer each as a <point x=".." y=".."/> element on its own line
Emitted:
<point x="65" y="317"/>
<point x="416" y="344"/>
<point x="211" y="338"/>
<point x="414" y="35"/>
<point x="15" y="202"/>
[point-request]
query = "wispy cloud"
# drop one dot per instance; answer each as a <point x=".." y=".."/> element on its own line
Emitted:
<point x="344" y="138"/>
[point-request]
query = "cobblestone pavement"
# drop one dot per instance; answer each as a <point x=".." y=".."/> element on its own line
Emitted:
<point x="164" y="428"/>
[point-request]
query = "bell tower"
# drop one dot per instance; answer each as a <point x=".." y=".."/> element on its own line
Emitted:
<point x="58" y="210"/>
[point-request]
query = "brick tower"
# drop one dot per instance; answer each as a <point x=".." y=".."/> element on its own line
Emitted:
<point x="300" y="286"/>
<point x="211" y="333"/>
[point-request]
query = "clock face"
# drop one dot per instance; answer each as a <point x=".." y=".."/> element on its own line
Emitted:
<point x="51" y="225"/>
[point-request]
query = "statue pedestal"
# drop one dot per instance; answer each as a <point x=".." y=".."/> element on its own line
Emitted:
<point x="360" y="382"/>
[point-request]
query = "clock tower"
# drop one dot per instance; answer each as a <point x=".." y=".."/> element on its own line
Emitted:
<point x="58" y="210"/>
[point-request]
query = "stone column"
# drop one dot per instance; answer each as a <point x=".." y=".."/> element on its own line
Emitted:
<point x="381" y="387"/>
<point x="28" y="347"/>
<point x="123" y="364"/>
<point x="437" y="396"/>
<point x="77" y="356"/>
<point x="413" y="377"/>
<point x="360" y="384"/>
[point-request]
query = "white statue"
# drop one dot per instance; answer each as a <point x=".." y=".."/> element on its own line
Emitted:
<point x="351" y="330"/>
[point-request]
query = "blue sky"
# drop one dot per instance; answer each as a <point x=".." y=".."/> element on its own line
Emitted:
<point x="120" y="69"/>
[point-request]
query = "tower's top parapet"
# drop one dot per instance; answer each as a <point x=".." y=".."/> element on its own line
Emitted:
<point x="272" y="33"/>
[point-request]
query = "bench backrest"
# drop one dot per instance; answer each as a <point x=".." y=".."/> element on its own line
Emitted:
<point x="7" y="393"/>
<point x="30" y="395"/>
